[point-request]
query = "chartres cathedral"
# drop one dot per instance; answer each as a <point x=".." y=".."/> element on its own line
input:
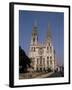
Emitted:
<point x="42" y="55"/>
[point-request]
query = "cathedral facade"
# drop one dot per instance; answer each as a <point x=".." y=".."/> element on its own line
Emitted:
<point x="42" y="55"/>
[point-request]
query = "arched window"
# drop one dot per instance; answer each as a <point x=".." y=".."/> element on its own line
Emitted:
<point x="48" y="60"/>
<point x="34" y="39"/>
<point x="49" y="44"/>
<point x="50" y="49"/>
<point x="41" y="60"/>
<point x="51" y="62"/>
<point x="37" y="61"/>
<point x="34" y="49"/>
<point x="47" y="57"/>
<point x="47" y="49"/>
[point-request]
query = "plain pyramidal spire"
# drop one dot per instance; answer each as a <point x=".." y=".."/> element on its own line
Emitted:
<point x="49" y="33"/>
<point x="34" y="31"/>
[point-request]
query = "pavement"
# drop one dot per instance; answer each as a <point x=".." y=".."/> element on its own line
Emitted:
<point x="35" y="75"/>
<point x="45" y="75"/>
<point x="56" y="74"/>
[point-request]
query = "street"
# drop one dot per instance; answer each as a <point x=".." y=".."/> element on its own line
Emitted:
<point x="56" y="74"/>
<point x="40" y="75"/>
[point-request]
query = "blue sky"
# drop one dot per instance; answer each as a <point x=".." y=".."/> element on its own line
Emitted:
<point x="56" y="21"/>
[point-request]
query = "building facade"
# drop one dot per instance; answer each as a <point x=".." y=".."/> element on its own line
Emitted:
<point x="42" y="55"/>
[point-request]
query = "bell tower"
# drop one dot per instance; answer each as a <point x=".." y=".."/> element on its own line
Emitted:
<point x="34" y="38"/>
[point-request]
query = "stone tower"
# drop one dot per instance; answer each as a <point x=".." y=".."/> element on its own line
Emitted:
<point x="33" y="45"/>
<point x="34" y="38"/>
<point x="50" y="49"/>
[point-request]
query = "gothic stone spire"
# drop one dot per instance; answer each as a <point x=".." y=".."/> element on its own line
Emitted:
<point x="49" y="34"/>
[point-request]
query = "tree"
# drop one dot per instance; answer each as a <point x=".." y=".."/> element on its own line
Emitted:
<point x="24" y="61"/>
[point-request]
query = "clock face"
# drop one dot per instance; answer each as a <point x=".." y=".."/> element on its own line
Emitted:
<point x="41" y="51"/>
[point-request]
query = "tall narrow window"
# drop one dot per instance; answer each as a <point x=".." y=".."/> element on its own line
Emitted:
<point x="48" y="61"/>
<point x="34" y="49"/>
<point x="43" y="61"/>
<point x="51" y="62"/>
<point x="50" y="49"/>
<point x="40" y="60"/>
<point x="47" y="49"/>
<point x="33" y="39"/>
<point x="37" y="61"/>
<point x="49" y="44"/>
<point x="48" y="58"/>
